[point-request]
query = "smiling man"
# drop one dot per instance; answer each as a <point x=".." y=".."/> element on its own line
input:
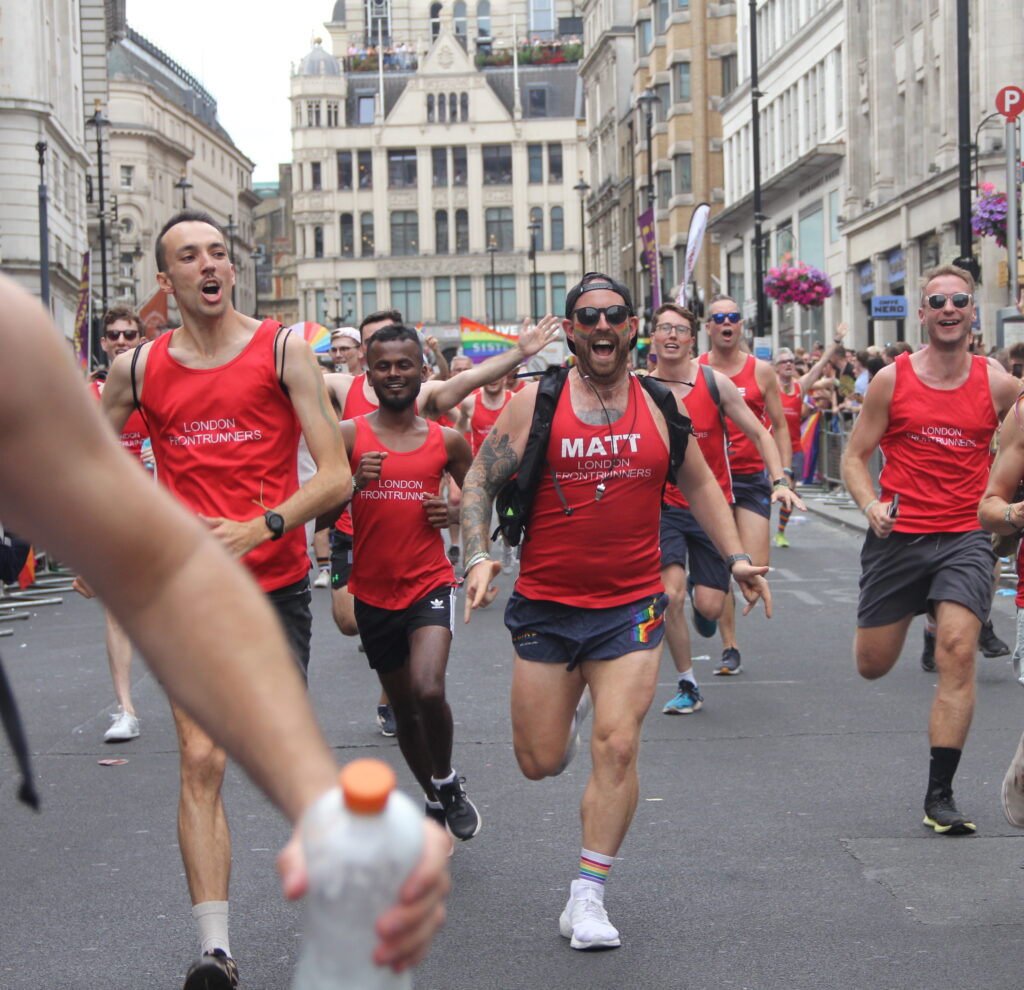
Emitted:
<point x="933" y="413"/>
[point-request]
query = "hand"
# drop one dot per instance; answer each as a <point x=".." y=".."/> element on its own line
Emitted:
<point x="437" y="511"/>
<point x="841" y="331"/>
<point x="752" y="584"/>
<point x="479" y="590"/>
<point x="147" y="457"/>
<point x="369" y="467"/>
<point x="536" y="338"/>
<point x="1016" y="517"/>
<point x="238" y="537"/>
<point x="880" y="520"/>
<point x="431" y="343"/>
<point x="785" y="495"/>
<point x="82" y="588"/>
<point x="406" y="928"/>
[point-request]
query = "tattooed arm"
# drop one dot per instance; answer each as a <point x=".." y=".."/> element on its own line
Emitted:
<point x="496" y="462"/>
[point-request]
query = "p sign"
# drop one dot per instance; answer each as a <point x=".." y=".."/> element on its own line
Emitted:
<point x="1010" y="102"/>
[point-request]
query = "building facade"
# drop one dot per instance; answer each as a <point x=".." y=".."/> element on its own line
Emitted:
<point x="274" y="256"/>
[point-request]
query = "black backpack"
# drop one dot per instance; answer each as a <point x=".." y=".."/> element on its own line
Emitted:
<point x="515" y="497"/>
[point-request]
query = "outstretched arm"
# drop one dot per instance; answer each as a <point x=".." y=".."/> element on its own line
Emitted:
<point x="769" y="383"/>
<point x="816" y="370"/>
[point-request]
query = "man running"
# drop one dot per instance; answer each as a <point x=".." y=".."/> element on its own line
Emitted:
<point x="401" y="580"/>
<point x="684" y="545"/>
<point x="588" y="607"/>
<point x="225" y="397"/>
<point x="751" y="488"/>
<point x="933" y="413"/>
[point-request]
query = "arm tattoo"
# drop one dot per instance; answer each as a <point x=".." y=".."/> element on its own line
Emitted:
<point x="496" y="462"/>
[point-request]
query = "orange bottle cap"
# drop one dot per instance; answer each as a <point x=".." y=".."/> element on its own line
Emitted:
<point x="366" y="785"/>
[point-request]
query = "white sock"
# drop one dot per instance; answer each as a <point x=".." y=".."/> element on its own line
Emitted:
<point x="443" y="780"/>
<point x="432" y="804"/>
<point x="687" y="675"/>
<point x="211" y="917"/>
<point x="594" y="867"/>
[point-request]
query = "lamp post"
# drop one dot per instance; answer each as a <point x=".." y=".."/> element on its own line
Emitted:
<point x="645" y="101"/>
<point x="99" y="121"/>
<point x="44" y="230"/>
<point x="533" y="229"/>
<point x="491" y="250"/>
<point x="184" y="185"/>
<point x="755" y="134"/>
<point x="231" y="230"/>
<point x="582" y="188"/>
<point x="136" y="258"/>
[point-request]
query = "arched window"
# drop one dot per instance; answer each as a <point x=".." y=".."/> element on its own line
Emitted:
<point x="459" y="22"/>
<point x="442" y="108"/>
<point x="318" y="242"/>
<point x="461" y="232"/>
<point x="435" y="20"/>
<point x="537" y="222"/>
<point x="463" y="106"/>
<point x="430" y="108"/>
<point x="557" y="229"/>
<point x="348" y="247"/>
<point x="441" y="231"/>
<point x="453" y="107"/>
<point x="483" y="19"/>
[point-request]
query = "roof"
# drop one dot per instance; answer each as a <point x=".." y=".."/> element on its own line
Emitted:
<point x="319" y="63"/>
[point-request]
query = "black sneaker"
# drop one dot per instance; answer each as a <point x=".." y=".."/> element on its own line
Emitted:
<point x="386" y="721"/>
<point x="215" y="971"/>
<point x="990" y="644"/>
<point x="942" y="814"/>
<point x="437" y="814"/>
<point x="928" y="653"/>
<point x="459" y="812"/>
<point x="730" y="663"/>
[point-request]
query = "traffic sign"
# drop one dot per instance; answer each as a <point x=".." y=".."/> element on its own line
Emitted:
<point x="1010" y="102"/>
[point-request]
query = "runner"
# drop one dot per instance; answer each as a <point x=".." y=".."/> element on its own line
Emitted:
<point x="225" y="396"/>
<point x="933" y="413"/>
<point x="751" y="488"/>
<point x="401" y="580"/>
<point x="682" y="539"/>
<point x="588" y="606"/>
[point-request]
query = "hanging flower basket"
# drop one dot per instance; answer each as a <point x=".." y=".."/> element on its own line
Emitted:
<point x="989" y="217"/>
<point x="798" y="283"/>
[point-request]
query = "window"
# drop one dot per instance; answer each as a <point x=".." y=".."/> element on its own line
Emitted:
<point x="320" y="301"/>
<point x="682" y="166"/>
<point x="557" y="229"/>
<point x="332" y="113"/>
<point x="127" y="177"/>
<point x="365" y="235"/>
<point x="461" y="232"/>
<point x="365" y="167"/>
<point x="681" y="4"/>
<point x="459" y="168"/>
<point x="347" y="312"/>
<point x="368" y="287"/>
<point x="812" y="236"/>
<point x="542" y="19"/>
<point x="365" y="108"/>
<point x="443" y="300"/>
<point x="537" y="234"/>
<point x="681" y="75"/>
<point x="554" y="163"/>
<point x="430" y="108"/>
<point x="536" y="296"/>
<point x="663" y="185"/>
<point x="405" y="297"/>
<point x="498" y="227"/>
<point x="298" y="114"/>
<point x="453" y="107"/>
<point x="313" y="113"/>
<point x="536" y="101"/>
<point x="557" y="293"/>
<point x="728" y="74"/>
<point x="497" y="164"/>
<point x="833" y="216"/>
<point x="442" y="108"/>
<point x="459" y="23"/>
<point x="483" y="19"/>
<point x="661" y="11"/>
<point x="439" y="166"/>
<point x="318" y="242"/>
<point x="348" y="247"/>
<point x="664" y="93"/>
<point x="435" y="20"/>
<point x="535" y="162"/>
<point x="464" y="106"/>
<point x="402" y="168"/>
<point x="405" y="237"/>
<point x="315" y="176"/>
<point x="644" y="37"/>
<point x="344" y="169"/>
<point x="441" y="231"/>
<point x="463" y="295"/>
<point x="501" y="298"/>
<point x="734" y="278"/>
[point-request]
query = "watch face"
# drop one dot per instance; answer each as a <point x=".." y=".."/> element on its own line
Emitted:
<point x="275" y="523"/>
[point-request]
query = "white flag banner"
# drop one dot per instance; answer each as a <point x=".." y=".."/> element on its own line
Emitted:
<point x="694" y="240"/>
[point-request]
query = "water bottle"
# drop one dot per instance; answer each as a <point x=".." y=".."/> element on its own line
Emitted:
<point x="361" y="842"/>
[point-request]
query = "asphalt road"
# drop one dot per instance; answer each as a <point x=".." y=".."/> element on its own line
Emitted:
<point x="778" y="841"/>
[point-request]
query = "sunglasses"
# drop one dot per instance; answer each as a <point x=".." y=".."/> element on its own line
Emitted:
<point x="720" y="318"/>
<point x="128" y="335"/>
<point x="937" y="300"/>
<point x="590" y="316"/>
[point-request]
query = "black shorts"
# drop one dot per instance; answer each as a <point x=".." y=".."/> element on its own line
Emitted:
<point x="551" y="632"/>
<point x="908" y="572"/>
<point x="292" y="604"/>
<point x="753" y="493"/>
<point x="682" y="537"/>
<point x="341" y="559"/>
<point x="385" y="632"/>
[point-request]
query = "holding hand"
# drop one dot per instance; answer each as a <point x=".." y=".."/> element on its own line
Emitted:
<point x="752" y="584"/>
<point x="479" y="590"/>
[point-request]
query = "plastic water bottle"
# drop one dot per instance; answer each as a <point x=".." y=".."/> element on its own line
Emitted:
<point x="361" y="843"/>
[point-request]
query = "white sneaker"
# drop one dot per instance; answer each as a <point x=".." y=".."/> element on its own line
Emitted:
<point x="585" y="921"/>
<point x="122" y="728"/>
<point x="583" y="709"/>
<point x="322" y="580"/>
<point x="1013" y="788"/>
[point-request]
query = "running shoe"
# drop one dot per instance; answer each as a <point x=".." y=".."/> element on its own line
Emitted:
<point x="323" y="579"/>
<point x="122" y="728"/>
<point x="453" y="554"/>
<point x="706" y="627"/>
<point x="460" y="813"/>
<point x="585" y="922"/>
<point x="215" y="971"/>
<point x="928" y="653"/>
<point x="990" y="644"/>
<point x="1013" y="788"/>
<point x="687" y="700"/>
<point x="436" y="814"/>
<point x="780" y="540"/>
<point x="386" y="721"/>
<point x="583" y="707"/>
<point x="942" y="815"/>
<point x="730" y="664"/>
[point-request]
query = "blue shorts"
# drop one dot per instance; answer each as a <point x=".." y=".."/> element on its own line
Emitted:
<point x="550" y="632"/>
<point x="753" y="493"/>
<point x="682" y="537"/>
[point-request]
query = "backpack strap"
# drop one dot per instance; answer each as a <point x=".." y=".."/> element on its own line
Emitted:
<point x="535" y="454"/>
<point x="716" y="397"/>
<point x="135" y="387"/>
<point x="679" y="426"/>
<point x="279" y="361"/>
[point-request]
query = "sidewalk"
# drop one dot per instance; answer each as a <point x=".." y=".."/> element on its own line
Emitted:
<point x="836" y="507"/>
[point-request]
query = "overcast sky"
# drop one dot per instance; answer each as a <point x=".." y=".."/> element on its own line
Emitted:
<point x="242" y="53"/>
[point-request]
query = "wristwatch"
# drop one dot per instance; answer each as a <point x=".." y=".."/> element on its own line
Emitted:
<point x="732" y="558"/>
<point x="778" y="482"/>
<point x="355" y="485"/>
<point x="1007" y="518"/>
<point x="275" y="523"/>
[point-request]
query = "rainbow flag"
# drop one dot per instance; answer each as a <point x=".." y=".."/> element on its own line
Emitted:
<point x="810" y="434"/>
<point x="479" y="341"/>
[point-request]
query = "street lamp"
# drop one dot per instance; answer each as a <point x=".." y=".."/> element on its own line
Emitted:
<point x="99" y="121"/>
<point x="491" y="249"/>
<point x="231" y="230"/>
<point x="44" y="230"/>
<point x="534" y="228"/>
<point x="645" y="102"/>
<point x="136" y="258"/>
<point x="582" y="188"/>
<point x="184" y="185"/>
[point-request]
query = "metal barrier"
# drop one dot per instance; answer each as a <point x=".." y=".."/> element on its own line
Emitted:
<point x="832" y="446"/>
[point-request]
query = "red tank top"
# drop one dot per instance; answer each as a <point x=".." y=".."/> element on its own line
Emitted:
<point x="397" y="556"/>
<point x="226" y="442"/>
<point x="483" y="419"/>
<point x="710" y="437"/>
<point x="793" y="407"/>
<point x="134" y="433"/>
<point x="356" y="404"/>
<point x="936" y="450"/>
<point x="607" y="552"/>
<point x="744" y="457"/>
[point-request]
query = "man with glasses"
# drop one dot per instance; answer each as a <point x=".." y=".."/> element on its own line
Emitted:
<point x="751" y="487"/>
<point x="588" y="608"/>
<point x="933" y="413"/>
<point x="346" y="350"/>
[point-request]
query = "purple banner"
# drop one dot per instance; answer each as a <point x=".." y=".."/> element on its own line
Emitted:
<point x="649" y="240"/>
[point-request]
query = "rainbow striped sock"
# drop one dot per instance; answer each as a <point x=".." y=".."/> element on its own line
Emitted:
<point x="594" y="867"/>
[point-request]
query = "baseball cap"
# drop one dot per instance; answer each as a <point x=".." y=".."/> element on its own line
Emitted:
<point x="351" y="332"/>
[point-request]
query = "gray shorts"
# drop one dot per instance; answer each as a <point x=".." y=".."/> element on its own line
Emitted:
<point x="908" y="572"/>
